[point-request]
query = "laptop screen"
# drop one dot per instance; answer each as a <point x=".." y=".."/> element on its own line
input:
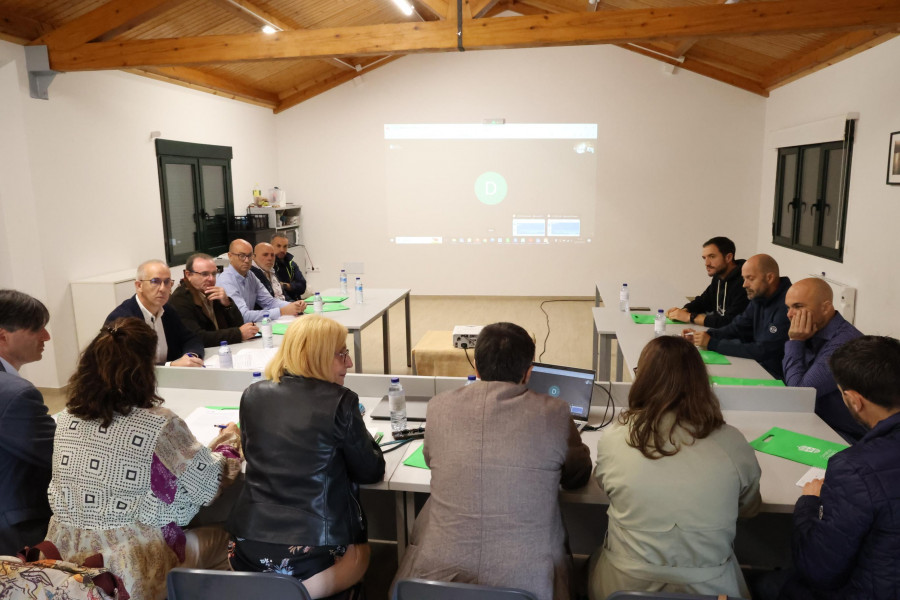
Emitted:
<point x="574" y="386"/>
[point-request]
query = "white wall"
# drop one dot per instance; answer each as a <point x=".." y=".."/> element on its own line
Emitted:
<point x="679" y="163"/>
<point x="867" y="84"/>
<point x="85" y="187"/>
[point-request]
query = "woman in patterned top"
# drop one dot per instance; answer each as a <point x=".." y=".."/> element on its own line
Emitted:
<point x="128" y="474"/>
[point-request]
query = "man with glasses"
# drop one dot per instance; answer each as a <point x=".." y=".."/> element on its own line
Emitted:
<point x="205" y="309"/>
<point x="246" y="291"/>
<point x="175" y="346"/>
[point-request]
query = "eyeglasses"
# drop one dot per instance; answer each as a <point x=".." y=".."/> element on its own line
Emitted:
<point x="203" y="273"/>
<point x="241" y="256"/>
<point x="156" y="281"/>
<point x="343" y="354"/>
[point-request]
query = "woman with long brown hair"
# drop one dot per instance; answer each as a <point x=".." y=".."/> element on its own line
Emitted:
<point x="128" y="474"/>
<point x="677" y="477"/>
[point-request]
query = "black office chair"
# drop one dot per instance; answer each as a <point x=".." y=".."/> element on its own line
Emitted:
<point x="663" y="596"/>
<point x="202" y="584"/>
<point x="420" y="589"/>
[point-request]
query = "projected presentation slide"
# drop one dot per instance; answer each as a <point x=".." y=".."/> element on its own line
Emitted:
<point x="517" y="184"/>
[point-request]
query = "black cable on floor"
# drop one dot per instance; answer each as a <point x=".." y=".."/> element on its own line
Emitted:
<point x="547" y="316"/>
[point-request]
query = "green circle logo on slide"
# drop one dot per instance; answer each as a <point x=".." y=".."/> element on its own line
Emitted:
<point x="491" y="188"/>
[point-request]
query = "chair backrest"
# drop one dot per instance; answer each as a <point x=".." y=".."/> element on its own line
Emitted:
<point x="663" y="596"/>
<point x="420" y="589"/>
<point x="201" y="584"/>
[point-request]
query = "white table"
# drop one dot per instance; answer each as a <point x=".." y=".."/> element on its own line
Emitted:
<point x="359" y="316"/>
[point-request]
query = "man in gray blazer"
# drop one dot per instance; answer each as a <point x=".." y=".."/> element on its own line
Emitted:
<point x="26" y="429"/>
<point x="498" y="453"/>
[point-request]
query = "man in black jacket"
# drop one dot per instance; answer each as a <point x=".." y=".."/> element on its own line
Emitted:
<point x="205" y="309"/>
<point x="26" y="429"/>
<point x="177" y="346"/>
<point x="724" y="299"/>
<point x="292" y="281"/>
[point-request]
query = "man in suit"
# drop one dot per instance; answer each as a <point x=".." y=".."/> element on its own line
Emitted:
<point x="176" y="346"/>
<point x="205" y="308"/>
<point x="498" y="453"/>
<point x="26" y="429"/>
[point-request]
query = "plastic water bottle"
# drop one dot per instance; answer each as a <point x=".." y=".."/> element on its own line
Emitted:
<point x="397" y="404"/>
<point x="225" y="361"/>
<point x="470" y="380"/>
<point x="257" y="376"/>
<point x="343" y="282"/>
<point x="659" y="323"/>
<point x="318" y="305"/>
<point x="624" y="304"/>
<point x="265" y="326"/>
<point x="359" y="292"/>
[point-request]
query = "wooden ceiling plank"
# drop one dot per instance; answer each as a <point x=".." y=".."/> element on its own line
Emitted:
<point x="19" y="28"/>
<point x="324" y="85"/>
<point x="837" y="50"/>
<point x="254" y="14"/>
<point x="637" y="25"/>
<point x="156" y="73"/>
<point x="115" y="15"/>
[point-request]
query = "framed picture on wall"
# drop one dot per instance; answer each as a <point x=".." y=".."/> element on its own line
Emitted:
<point x="893" y="175"/>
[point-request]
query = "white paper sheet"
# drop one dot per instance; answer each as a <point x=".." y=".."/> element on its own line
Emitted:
<point x="203" y="421"/>
<point x="254" y="359"/>
<point x="813" y="473"/>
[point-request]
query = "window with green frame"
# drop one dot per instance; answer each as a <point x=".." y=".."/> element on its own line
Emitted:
<point x="197" y="198"/>
<point x="811" y="192"/>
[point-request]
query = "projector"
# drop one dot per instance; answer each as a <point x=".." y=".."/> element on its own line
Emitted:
<point x="464" y="336"/>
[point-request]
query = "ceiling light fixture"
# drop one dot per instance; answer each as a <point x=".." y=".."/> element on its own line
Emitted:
<point x="268" y="29"/>
<point x="405" y="6"/>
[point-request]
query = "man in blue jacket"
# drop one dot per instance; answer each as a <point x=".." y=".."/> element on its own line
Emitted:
<point x="26" y="429"/>
<point x="761" y="331"/>
<point x="290" y="275"/>
<point x="846" y="536"/>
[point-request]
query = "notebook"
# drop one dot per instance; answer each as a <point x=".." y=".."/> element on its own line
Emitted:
<point x="574" y="386"/>
<point x="416" y="407"/>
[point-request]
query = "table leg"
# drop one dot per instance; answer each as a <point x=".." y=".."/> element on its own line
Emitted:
<point x="386" y="341"/>
<point x="408" y="333"/>
<point x="596" y="296"/>
<point x="357" y="351"/>
<point x="604" y="355"/>
<point x="620" y="362"/>
<point x="400" y="510"/>
<point x="596" y="354"/>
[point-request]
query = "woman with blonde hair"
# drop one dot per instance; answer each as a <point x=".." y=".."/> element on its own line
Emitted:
<point x="677" y="478"/>
<point x="307" y="451"/>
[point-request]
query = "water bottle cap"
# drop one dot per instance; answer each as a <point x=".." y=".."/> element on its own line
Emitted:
<point x="624" y="285"/>
<point x="318" y="294"/>
<point x="257" y="374"/>
<point x="266" y="315"/>
<point x="660" y="311"/>
<point x="395" y="380"/>
<point x="223" y="343"/>
<point x="471" y="378"/>
<point x="343" y="270"/>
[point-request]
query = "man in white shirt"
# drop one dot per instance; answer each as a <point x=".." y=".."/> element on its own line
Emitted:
<point x="246" y="291"/>
<point x="176" y="345"/>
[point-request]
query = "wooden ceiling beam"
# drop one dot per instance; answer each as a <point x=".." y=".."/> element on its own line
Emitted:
<point x="623" y="26"/>
<point x="323" y="85"/>
<point x="481" y="7"/>
<point x="253" y="14"/>
<point x="437" y="8"/>
<point x="114" y="16"/>
<point x="198" y="79"/>
<point x="835" y="51"/>
<point x="19" y="29"/>
<point x="686" y="44"/>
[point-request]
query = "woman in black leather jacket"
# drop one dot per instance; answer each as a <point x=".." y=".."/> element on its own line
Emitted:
<point x="307" y="451"/>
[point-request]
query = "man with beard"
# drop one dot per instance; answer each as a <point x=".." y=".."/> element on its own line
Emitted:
<point x="724" y="299"/>
<point x="290" y="275"/>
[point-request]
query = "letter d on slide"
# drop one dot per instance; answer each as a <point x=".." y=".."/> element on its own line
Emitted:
<point x="490" y="188"/>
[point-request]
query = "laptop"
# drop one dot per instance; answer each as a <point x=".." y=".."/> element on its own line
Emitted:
<point x="574" y="386"/>
<point x="416" y="407"/>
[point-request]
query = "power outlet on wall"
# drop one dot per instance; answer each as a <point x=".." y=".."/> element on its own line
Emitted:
<point x="315" y="269"/>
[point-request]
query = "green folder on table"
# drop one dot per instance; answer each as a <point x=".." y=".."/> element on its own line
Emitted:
<point x="326" y="307"/>
<point x="327" y="299"/>
<point x="711" y="357"/>
<point x="279" y="328"/>
<point x="416" y="459"/>
<point x="716" y="379"/>
<point x="649" y="319"/>
<point x="804" y="449"/>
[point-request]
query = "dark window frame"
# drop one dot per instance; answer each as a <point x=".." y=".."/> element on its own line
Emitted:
<point x="197" y="156"/>
<point x="793" y="207"/>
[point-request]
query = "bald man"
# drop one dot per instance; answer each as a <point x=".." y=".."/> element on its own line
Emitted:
<point x="762" y="329"/>
<point x="816" y="331"/>
<point x="264" y="269"/>
<point x="247" y="292"/>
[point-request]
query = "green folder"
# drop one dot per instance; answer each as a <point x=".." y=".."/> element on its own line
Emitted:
<point x="797" y="447"/>
<point x="334" y="298"/>
<point x="649" y="319"/>
<point x="745" y="381"/>
<point x="711" y="357"/>
<point x="416" y="459"/>
<point x="279" y="328"/>
<point x="326" y="307"/>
